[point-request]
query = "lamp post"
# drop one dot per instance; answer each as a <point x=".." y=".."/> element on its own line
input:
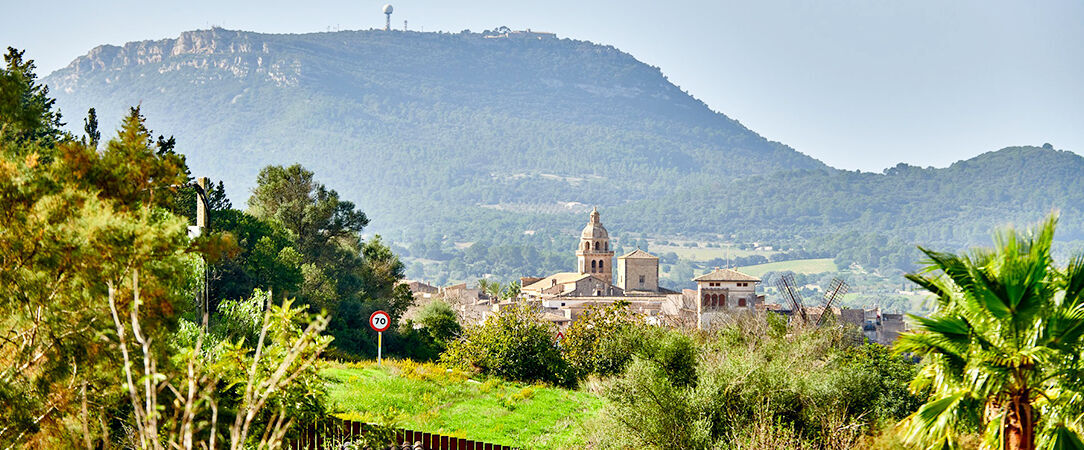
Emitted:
<point x="203" y="207"/>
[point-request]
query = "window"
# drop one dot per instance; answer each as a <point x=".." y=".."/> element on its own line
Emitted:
<point x="606" y="245"/>
<point x="586" y="246"/>
<point x="593" y="267"/>
<point x="741" y="302"/>
<point x="600" y="266"/>
<point x="596" y="246"/>
<point x="714" y="300"/>
<point x="707" y="300"/>
<point x="642" y="279"/>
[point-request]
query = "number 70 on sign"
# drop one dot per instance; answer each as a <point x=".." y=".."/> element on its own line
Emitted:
<point x="379" y="321"/>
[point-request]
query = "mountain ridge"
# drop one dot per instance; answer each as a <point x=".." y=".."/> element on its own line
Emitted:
<point x="436" y="134"/>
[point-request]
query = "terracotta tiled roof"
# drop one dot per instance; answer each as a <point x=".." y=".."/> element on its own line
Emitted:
<point x="726" y="275"/>
<point x="638" y="254"/>
<point x="561" y="278"/>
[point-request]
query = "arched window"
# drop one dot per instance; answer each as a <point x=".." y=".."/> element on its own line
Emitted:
<point x="596" y="246"/>
<point x="600" y="266"/>
<point x="707" y="300"/>
<point x="606" y="245"/>
<point x="593" y="267"/>
<point x="586" y="246"/>
<point x="714" y="300"/>
<point x="741" y="302"/>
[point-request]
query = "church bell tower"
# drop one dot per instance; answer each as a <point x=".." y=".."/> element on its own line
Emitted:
<point x="593" y="255"/>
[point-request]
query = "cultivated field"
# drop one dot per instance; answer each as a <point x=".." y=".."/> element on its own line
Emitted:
<point x="702" y="253"/>
<point x="819" y="265"/>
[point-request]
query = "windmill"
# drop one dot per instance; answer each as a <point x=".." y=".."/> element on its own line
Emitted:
<point x="836" y="289"/>
<point x="787" y="288"/>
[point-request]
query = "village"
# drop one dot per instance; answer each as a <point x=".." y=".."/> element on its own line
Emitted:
<point x="721" y="294"/>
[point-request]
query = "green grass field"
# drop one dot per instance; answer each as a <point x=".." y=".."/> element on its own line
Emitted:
<point x="705" y="253"/>
<point x="429" y="398"/>
<point x="820" y="265"/>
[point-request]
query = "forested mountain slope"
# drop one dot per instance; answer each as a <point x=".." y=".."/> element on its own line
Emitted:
<point x="447" y="138"/>
<point x="876" y="219"/>
<point x="458" y="118"/>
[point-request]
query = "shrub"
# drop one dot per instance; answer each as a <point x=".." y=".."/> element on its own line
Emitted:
<point x="438" y="327"/>
<point x="599" y="341"/>
<point x="440" y="322"/>
<point x="756" y="383"/>
<point x="673" y="352"/>
<point x="515" y="344"/>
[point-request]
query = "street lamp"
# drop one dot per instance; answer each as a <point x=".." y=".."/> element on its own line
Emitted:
<point x="203" y="207"/>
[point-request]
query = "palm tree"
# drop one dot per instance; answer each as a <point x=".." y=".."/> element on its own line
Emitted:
<point x="1002" y="352"/>
<point x="513" y="290"/>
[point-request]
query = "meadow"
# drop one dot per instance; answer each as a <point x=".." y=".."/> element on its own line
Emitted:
<point x="808" y="266"/>
<point x="429" y="398"/>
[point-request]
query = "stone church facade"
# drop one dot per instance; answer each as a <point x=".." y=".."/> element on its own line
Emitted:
<point x="564" y="296"/>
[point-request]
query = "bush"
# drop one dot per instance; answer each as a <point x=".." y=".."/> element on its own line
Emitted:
<point x="673" y="352"/>
<point x="438" y="327"/>
<point x="599" y="341"/>
<point x="756" y="383"/>
<point x="440" y="322"/>
<point x="515" y="344"/>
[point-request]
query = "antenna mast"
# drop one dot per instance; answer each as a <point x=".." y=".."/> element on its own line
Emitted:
<point x="387" y="13"/>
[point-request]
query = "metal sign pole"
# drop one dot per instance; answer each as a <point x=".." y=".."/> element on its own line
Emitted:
<point x="379" y="322"/>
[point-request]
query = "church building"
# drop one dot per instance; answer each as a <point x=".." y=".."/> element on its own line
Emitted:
<point x="564" y="296"/>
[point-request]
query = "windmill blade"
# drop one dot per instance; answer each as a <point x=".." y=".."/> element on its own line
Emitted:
<point x="836" y="289"/>
<point x="785" y="284"/>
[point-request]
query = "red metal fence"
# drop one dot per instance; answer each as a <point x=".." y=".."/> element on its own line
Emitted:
<point x="333" y="433"/>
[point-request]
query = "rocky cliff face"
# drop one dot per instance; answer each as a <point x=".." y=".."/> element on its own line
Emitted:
<point x="216" y="53"/>
<point x="446" y="121"/>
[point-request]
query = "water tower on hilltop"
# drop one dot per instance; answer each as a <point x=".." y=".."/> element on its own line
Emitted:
<point x="387" y="13"/>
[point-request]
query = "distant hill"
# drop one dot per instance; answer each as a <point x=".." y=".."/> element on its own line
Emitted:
<point x="381" y="115"/>
<point x="449" y="138"/>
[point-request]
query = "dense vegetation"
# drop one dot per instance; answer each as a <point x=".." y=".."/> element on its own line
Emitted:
<point x="756" y="382"/>
<point x="447" y="139"/>
<point x="1003" y="349"/>
<point x="109" y="341"/>
<point x="122" y="329"/>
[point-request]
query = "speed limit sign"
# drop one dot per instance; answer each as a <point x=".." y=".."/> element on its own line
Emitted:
<point x="380" y="321"/>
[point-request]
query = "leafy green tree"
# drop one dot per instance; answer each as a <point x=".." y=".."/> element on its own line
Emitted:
<point x="516" y="344"/>
<point x="266" y="258"/>
<point x="1002" y="351"/>
<point x="440" y="322"/>
<point x="433" y="328"/>
<point x="319" y="222"/>
<point x="599" y="341"/>
<point x="26" y="110"/>
<point x="73" y="237"/>
<point x="340" y="274"/>
<point x="90" y="127"/>
<point x="97" y="281"/>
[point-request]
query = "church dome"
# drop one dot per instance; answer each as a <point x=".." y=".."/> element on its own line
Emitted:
<point x="594" y="228"/>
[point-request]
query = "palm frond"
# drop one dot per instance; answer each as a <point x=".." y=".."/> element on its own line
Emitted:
<point x="936" y="424"/>
<point x="1073" y="282"/>
<point x="1059" y="437"/>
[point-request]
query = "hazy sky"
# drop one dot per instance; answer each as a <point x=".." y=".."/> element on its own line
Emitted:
<point x="860" y="84"/>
